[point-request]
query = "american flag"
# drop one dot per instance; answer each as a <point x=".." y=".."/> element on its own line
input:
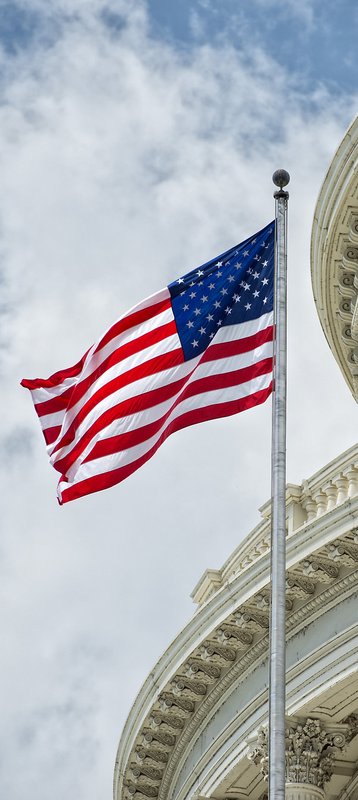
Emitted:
<point x="200" y="349"/>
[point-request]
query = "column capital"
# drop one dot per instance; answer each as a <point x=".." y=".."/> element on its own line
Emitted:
<point x="311" y="748"/>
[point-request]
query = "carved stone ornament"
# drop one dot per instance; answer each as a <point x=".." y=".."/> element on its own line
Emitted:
<point x="310" y="751"/>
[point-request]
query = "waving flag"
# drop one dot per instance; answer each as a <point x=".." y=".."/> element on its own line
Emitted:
<point x="197" y="350"/>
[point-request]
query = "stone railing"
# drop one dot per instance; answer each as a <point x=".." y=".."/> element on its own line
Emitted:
<point x="319" y="495"/>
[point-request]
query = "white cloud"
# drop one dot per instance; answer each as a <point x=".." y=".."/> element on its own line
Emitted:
<point x="123" y="163"/>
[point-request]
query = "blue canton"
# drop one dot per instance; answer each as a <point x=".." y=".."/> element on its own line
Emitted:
<point x="235" y="287"/>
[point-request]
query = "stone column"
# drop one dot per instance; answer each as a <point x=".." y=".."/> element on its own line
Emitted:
<point x="310" y="754"/>
<point x="303" y="791"/>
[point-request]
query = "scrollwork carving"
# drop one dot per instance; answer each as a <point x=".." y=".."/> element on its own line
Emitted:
<point x="300" y="584"/>
<point x="251" y="616"/>
<point x="344" y="551"/>
<point x="143" y="753"/>
<point x="323" y="568"/>
<point x="183" y="685"/>
<point x="211" y="671"/>
<point x="213" y="649"/>
<point x="228" y="632"/>
<point x="148" y="771"/>
<point x="168" y="700"/>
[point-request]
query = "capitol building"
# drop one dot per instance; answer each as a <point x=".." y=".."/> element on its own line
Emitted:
<point x="198" y="728"/>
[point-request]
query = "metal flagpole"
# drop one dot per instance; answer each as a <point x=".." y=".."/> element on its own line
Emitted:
<point x="277" y="693"/>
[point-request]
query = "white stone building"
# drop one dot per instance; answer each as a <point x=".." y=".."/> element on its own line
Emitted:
<point x="197" y="728"/>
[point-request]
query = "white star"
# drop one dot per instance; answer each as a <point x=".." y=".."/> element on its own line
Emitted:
<point x="231" y="278"/>
<point x="254" y="241"/>
<point x="223" y="291"/>
<point x="204" y="298"/>
<point x="195" y="343"/>
<point x="219" y="322"/>
<point x="264" y="263"/>
<point x="202" y="330"/>
<point x="186" y="307"/>
<point x="256" y="275"/>
<point x="211" y="336"/>
<point x="219" y="264"/>
<point x="256" y="293"/>
<point x="192" y="295"/>
<point x="257" y="258"/>
<point x="190" y="324"/>
<point x="219" y="274"/>
<point x="237" y="265"/>
<point x="199" y="273"/>
<point x="246" y="286"/>
<point x="211" y="285"/>
<point x="180" y="280"/>
<point x="228" y="310"/>
<point x="217" y="304"/>
<point x="264" y="281"/>
<point x="245" y="253"/>
<point x="210" y="317"/>
<point x="265" y="301"/>
<point x="248" y="306"/>
<point x="197" y="312"/>
<point x="237" y="298"/>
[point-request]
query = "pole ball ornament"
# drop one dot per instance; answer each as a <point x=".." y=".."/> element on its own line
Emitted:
<point x="281" y="178"/>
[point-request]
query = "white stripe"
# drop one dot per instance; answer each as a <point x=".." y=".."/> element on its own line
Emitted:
<point x="228" y="333"/>
<point x="164" y="378"/>
<point x="109" y="463"/>
<point x="48" y="393"/>
<point x="162" y="318"/>
<point x="52" y="420"/>
<point x="161" y="348"/>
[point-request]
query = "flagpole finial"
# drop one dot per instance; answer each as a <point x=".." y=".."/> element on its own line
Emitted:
<point x="281" y="178"/>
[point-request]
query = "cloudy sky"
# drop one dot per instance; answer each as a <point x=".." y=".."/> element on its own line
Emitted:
<point x="138" y="139"/>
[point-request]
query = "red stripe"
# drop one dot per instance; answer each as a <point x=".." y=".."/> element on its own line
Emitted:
<point x="150" y="367"/>
<point x="108" y="479"/>
<point x="51" y="434"/>
<point x="120" y="353"/>
<point x="115" y="444"/>
<point x="58" y="403"/>
<point x="131" y="320"/>
<point x="55" y="379"/>
<point x="155" y="397"/>
<point x="238" y="346"/>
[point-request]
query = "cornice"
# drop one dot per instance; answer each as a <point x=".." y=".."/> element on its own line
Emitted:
<point x="228" y="636"/>
<point x="247" y="663"/>
<point x="334" y="257"/>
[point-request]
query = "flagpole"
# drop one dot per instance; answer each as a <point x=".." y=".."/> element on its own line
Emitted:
<point x="277" y="693"/>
